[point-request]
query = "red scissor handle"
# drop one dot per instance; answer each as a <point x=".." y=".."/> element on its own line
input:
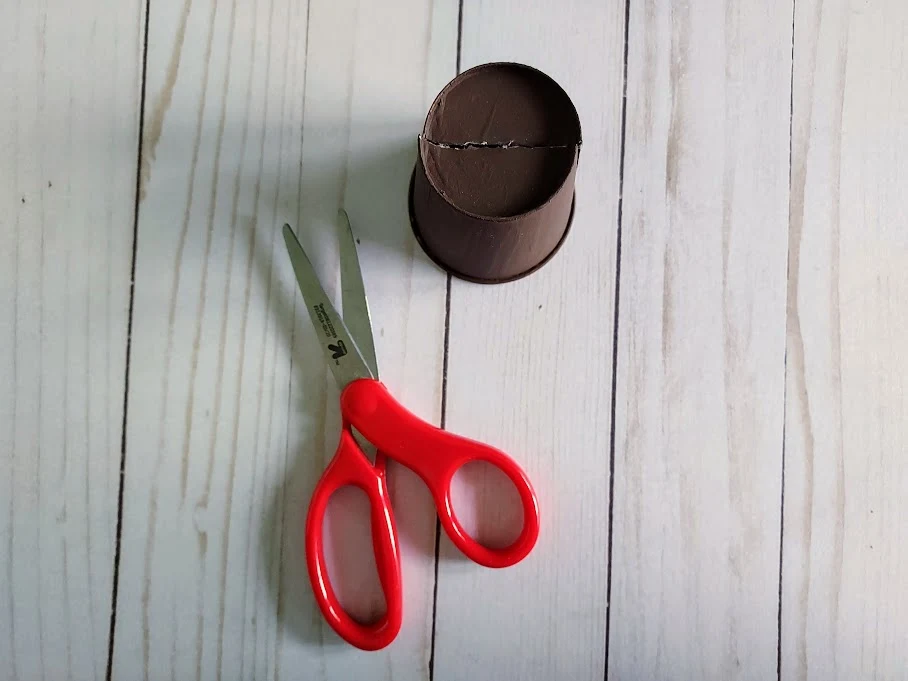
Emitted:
<point x="350" y="467"/>
<point x="436" y="455"/>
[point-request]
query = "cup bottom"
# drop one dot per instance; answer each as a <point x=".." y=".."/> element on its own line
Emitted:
<point x="414" y="225"/>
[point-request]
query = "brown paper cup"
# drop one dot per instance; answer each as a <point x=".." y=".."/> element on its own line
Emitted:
<point x="491" y="197"/>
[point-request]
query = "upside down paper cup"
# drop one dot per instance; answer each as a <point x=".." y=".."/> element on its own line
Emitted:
<point x="492" y="194"/>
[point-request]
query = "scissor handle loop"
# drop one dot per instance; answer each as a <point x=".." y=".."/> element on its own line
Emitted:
<point x="350" y="467"/>
<point x="436" y="455"/>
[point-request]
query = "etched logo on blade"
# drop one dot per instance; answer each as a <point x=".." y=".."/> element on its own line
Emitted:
<point x="337" y="351"/>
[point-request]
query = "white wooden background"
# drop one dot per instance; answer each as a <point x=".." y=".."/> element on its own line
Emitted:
<point x="708" y="385"/>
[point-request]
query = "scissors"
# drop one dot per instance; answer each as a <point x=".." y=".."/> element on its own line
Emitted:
<point x="432" y="453"/>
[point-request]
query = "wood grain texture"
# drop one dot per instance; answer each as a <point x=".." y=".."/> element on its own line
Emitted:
<point x="845" y="581"/>
<point x="259" y="114"/>
<point x="698" y="453"/>
<point x="372" y="72"/>
<point x="530" y="371"/>
<point x="68" y="135"/>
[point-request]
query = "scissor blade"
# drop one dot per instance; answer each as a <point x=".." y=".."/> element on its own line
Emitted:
<point x="341" y="352"/>
<point x="354" y="301"/>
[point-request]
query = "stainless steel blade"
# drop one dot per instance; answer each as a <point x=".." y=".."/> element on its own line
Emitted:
<point x="342" y="354"/>
<point x="354" y="303"/>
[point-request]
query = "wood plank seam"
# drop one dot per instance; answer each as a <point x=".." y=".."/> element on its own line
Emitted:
<point x="444" y="388"/>
<point x="132" y="286"/>
<point x="785" y="354"/>
<point x="620" y="222"/>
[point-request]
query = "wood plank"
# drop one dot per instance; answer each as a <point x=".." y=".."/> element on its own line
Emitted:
<point x="700" y="370"/>
<point x="257" y="114"/>
<point x="845" y="584"/>
<point x="359" y="150"/>
<point x="530" y="371"/>
<point x="68" y="133"/>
